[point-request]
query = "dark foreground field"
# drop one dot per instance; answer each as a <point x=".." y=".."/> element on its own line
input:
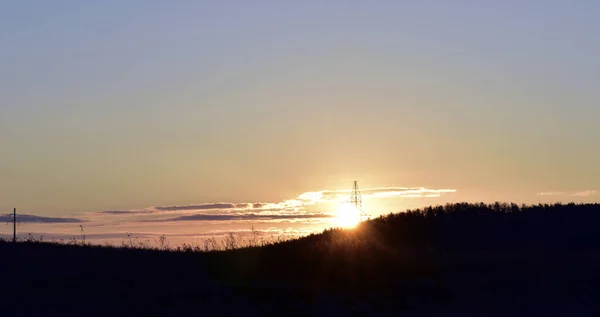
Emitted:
<point x="453" y="260"/>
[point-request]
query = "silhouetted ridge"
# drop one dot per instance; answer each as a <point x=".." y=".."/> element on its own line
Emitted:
<point x="460" y="257"/>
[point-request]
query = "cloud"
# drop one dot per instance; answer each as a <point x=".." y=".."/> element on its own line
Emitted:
<point x="585" y="193"/>
<point x="288" y="205"/>
<point x="38" y="219"/>
<point x="550" y="193"/>
<point x="202" y="207"/>
<point x="407" y="192"/>
<point x="125" y="212"/>
<point x="247" y="216"/>
<point x="297" y="206"/>
<point x="380" y="192"/>
<point x="205" y="206"/>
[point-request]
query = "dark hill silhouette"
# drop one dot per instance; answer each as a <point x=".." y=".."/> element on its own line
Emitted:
<point x="458" y="259"/>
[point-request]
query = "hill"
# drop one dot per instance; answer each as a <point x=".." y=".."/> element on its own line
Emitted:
<point x="453" y="260"/>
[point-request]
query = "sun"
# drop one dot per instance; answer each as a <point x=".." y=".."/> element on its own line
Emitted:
<point x="347" y="216"/>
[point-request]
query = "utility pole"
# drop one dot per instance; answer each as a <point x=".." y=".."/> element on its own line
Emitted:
<point x="15" y="225"/>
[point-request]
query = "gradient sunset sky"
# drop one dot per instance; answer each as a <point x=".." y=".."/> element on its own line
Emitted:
<point x="129" y="115"/>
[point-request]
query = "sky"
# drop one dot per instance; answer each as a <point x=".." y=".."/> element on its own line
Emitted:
<point x="114" y="113"/>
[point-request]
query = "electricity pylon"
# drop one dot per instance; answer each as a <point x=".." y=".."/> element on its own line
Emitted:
<point x="356" y="201"/>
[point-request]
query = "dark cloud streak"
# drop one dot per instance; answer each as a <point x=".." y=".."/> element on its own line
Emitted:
<point x="208" y="206"/>
<point x="252" y="216"/>
<point x="39" y="219"/>
<point x="125" y="212"/>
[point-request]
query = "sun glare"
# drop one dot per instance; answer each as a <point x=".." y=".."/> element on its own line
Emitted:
<point x="347" y="216"/>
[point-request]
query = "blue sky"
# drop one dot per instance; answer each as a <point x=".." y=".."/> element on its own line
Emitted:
<point x="118" y="105"/>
